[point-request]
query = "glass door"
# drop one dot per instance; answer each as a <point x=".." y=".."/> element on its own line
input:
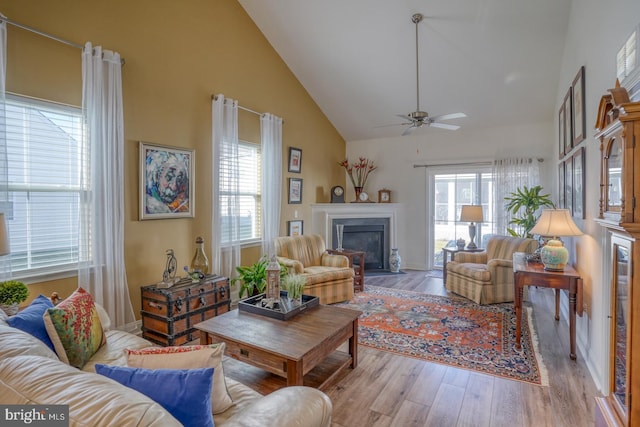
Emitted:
<point x="451" y="190"/>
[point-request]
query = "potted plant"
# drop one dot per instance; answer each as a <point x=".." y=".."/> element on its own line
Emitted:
<point x="294" y="285"/>
<point x="254" y="277"/>
<point x="530" y="201"/>
<point x="12" y="293"/>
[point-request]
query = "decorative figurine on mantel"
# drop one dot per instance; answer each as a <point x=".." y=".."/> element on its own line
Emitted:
<point x="169" y="275"/>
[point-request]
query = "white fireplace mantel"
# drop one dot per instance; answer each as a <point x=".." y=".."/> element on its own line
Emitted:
<point x="323" y="214"/>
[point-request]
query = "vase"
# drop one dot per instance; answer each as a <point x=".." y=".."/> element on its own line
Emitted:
<point x="200" y="262"/>
<point x="358" y="190"/>
<point x="394" y="261"/>
<point x="339" y="234"/>
<point x="10" y="309"/>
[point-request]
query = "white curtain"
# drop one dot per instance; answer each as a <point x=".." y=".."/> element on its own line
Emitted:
<point x="5" y="261"/>
<point x="511" y="174"/>
<point x="271" y="144"/>
<point x="225" y="245"/>
<point x="102" y="268"/>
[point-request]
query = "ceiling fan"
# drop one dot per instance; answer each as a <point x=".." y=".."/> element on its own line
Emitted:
<point x="420" y="118"/>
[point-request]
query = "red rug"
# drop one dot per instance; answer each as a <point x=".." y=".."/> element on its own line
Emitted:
<point x="449" y="330"/>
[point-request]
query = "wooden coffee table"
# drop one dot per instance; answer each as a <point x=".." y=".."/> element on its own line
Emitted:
<point x="288" y="348"/>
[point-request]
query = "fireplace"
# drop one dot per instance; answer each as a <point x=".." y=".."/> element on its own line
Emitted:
<point x="370" y="235"/>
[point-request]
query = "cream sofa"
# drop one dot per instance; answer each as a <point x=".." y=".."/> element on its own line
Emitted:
<point x="328" y="277"/>
<point x="30" y="373"/>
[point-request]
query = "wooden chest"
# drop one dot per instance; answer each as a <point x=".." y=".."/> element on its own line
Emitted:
<point x="169" y="314"/>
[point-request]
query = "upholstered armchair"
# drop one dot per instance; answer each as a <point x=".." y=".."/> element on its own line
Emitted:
<point x="487" y="277"/>
<point x="329" y="277"/>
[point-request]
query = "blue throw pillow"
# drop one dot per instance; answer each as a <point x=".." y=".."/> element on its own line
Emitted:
<point x="184" y="393"/>
<point x="31" y="321"/>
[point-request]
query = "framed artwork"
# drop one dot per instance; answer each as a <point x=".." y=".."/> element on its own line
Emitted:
<point x="578" y="120"/>
<point x="167" y="180"/>
<point x="578" y="184"/>
<point x="568" y="131"/>
<point x="561" y="132"/>
<point x="568" y="184"/>
<point x="295" y="160"/>
<point x="295" y="228"/>
<point x="562" y="203"/>
<point x="295" y="191"/>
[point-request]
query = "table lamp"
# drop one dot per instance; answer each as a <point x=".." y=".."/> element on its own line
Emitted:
<point x="4" y="237"/>
<point x="555" y="223"/>
<point x="471" y="214"/>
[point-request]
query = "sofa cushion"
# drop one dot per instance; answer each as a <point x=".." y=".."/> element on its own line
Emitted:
<point x="31" y="319"/>
<point x="93" y="400"/>
<point x="112" y="352"/>
<point x="473" y="271"/>
<point x="317" y="274"/>
<point x="15" y="342"/>
<point x="184" y="357"/>
<point x="75" y="329"/>
<point x="185" y="393"/>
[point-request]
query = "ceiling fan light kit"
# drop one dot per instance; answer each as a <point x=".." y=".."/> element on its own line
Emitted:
<point x="420" y="118"/>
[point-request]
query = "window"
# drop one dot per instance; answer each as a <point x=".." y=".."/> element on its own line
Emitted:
<point x="248" y="194"/>
<point x="44" y="151"/>
<point x="627" y="57"/>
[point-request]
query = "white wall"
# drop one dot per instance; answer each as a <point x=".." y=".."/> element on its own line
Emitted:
<point x="596" y="31"/>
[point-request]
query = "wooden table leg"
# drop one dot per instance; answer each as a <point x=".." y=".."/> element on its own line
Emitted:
<point x="294" y="373"/>
<point x="353" y="345"/>
<point x="572" y="324"/>
<point x="557" y="304"/>
<point x="518" y="294"/>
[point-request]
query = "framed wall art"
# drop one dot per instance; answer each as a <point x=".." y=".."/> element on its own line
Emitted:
<point x="561" y="133"/>
<point x="568" y="184"/>
<point x="578" y="184"/>
<point x="562" y="201"/>
<point x="167" y="180"/>
<point x="295" y="191"/>
<point x="295" y="160"/>
<point x="568" y="131"/>
<point x="295" y="228"/>
<point x="578" y="118"/>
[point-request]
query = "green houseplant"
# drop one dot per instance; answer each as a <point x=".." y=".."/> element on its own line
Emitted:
<point x="254" y="277"/>
<point x="525" y="203"/>
<point x="12" y="293"/>
<point x="294" y="285"/>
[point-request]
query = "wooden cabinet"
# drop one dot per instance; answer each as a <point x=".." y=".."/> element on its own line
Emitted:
<point x="169" y="314"/>
<point x="618" y="131"/>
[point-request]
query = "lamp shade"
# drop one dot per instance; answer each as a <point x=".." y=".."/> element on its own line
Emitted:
<point x="4" y="237"/>
<point x="471" y="213"/>
<point x="556" y="223"/>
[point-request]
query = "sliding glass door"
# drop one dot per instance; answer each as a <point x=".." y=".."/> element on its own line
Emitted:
<point x="449" y="191"/>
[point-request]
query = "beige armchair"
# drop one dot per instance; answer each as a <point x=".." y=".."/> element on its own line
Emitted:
<point x="487" y="277"/>
<point x="328" y="277"/>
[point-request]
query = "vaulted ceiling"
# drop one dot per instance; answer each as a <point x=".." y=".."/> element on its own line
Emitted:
<point x="497" y="61"/>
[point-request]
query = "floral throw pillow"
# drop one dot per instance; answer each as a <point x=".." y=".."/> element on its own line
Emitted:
<point x="74" y="328"/>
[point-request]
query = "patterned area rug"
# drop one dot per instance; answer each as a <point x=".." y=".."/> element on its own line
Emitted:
<point x="449" y="330"/>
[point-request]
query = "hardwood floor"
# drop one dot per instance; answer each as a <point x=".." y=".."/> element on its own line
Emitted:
<point x="390" y="390"/>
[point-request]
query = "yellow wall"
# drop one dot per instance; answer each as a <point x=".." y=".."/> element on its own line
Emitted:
<point x="178" y="53"/>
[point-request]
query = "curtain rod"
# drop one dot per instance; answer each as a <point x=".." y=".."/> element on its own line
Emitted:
<point x="47" y="35"/>
<point x="214" y="97"/>
<point x="463" y="164"/>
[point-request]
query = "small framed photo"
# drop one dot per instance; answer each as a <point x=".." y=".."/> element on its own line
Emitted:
<point x="167" y="180"/>
<point x="295" y="191"/>
<point x="568" y="131"/>
<point x="295" y="228"/>
<point x="578" y="184"/>
<point x="295" y="160"/>
<point x="578" y="119"/>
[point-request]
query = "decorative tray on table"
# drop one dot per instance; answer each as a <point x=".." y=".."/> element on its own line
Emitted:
<point x="282" y="310"/>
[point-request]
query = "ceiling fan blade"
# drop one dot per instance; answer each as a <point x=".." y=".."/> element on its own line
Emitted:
<point x="444" y="126"/>
<point x="393" y="124"/>
<point x="406" y="117"/>
<point x="408" y="130"/>
<point x="448" y="116"/>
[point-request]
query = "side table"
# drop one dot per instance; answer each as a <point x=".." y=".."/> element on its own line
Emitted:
<point x="356" y="261"/>
<point x="453" y="252"/>
<point x="534" y="274"/>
